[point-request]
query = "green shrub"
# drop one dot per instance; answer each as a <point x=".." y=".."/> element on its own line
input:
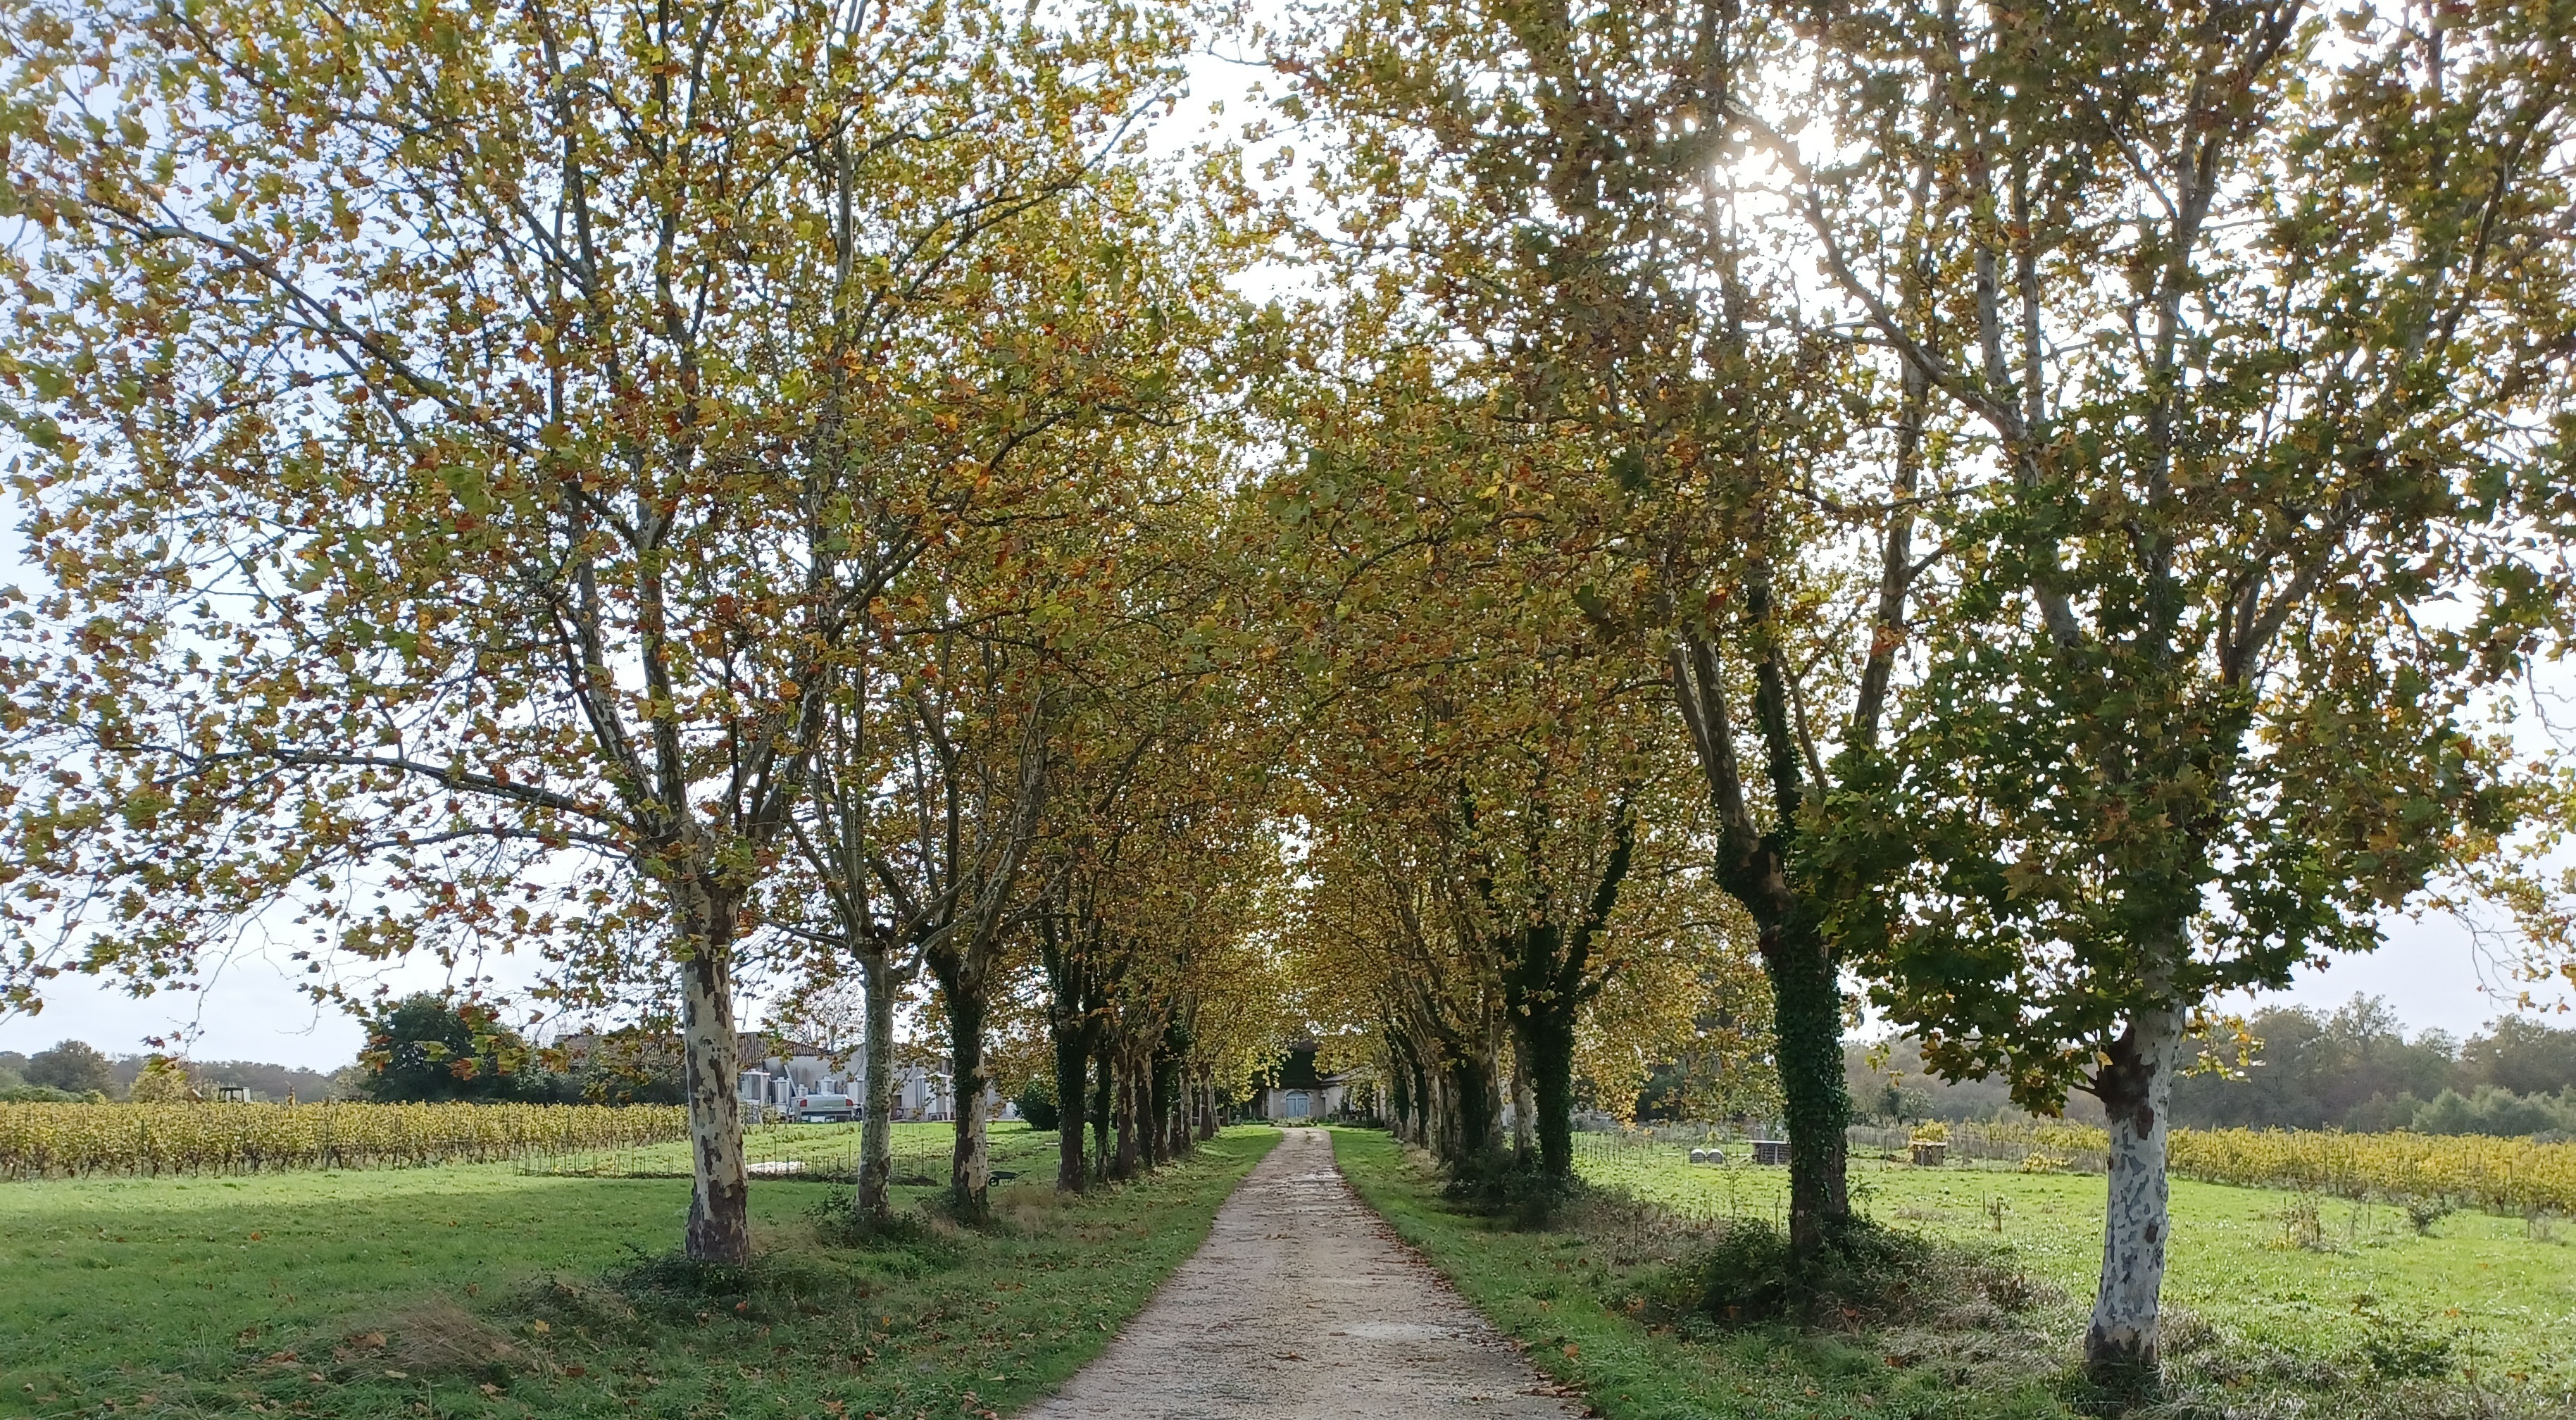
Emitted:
<point x="1037" y="1104"/>
<point x="1501" y="1184"/>
<point x="1862" y="1275"/>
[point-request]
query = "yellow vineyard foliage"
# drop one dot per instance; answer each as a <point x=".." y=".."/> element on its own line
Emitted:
<point x="2507" y="1175"/>
<point x="2477" y="1171"/>
<point x="57" y="1140"/>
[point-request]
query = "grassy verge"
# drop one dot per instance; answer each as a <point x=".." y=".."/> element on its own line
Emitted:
<point x="1578" y="1298"/>
<point x="482" y="1290"/>
<point x="2296" y="1272"/>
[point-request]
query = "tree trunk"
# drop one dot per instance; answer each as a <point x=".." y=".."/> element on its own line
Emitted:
<point x="1479" y="1106"/>
<point x="1753" y="867"/>
<point x="874" y="1204"/>
<point x="1185" y="1134"/>
<point x="1551" y="1073"/>
<point x="720" y="1202"/>
<point x="1158" y="1110"/>
<point x="2120" y="1345"/>
<point x="1524" y="1102"/>
<point x="1412" y="1095"/>
<point x="1124" y="1166"/>
<point x="1103" y="1100"/>
<point x="1072" y="1062"/>
<point x="1808" y="1005"/>
<point x="968" y="1170"/>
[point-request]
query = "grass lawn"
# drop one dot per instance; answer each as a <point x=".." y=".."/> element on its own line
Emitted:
<point x="2274" y="1329"/>
<point x="2291" y="1270"/>
<point x="482" y="1290"/>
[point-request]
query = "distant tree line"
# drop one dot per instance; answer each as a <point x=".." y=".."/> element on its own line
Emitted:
<point x="2354" y="1068"/>
<point x="76" y="1070"/>
<point x="71" y="1070"/>
<point x="422" y="1047"/>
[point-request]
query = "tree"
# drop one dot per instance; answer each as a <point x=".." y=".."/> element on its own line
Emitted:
<point x="73" y="1066"/>
<point x="1039" y="652"/>
<point x="1550" y="189"/>
<point x="427" y="1047"/>
<point x="467" y="443"/>
<point x="2250" y="323"/>
<point x="2523" y="1055"/>
<point x="163" y="1080"/>
<point x="2306" y="1070"/>
<point x="1506" y="784"/>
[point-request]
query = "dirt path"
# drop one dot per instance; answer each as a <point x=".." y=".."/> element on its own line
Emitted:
<point x="1303" y="1304"/>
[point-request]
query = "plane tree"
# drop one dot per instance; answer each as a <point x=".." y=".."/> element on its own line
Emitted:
<point x="463" y="447"/>
<point x="1550" y="193"/>
<point x="2253" y="339"/>
<point x="1509" y="783"/>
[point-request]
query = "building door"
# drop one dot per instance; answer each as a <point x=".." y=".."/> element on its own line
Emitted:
<point x="1300" y="1104"/>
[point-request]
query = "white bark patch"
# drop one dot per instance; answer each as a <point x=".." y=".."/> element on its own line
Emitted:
<point x="719" y="1225"/>
<point x="2136" y="1222"/>
<point x="979" y="1161"/>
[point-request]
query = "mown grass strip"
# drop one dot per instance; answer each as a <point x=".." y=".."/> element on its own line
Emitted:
<point x="485" y="1291"/>
<point x="1567" y="1295"/>
<point x="2431" y="1340"/>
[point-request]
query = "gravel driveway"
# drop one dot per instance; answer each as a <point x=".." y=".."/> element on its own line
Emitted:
<point x="1303" y="1304"/>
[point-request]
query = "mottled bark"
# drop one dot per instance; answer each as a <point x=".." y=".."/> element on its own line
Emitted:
<point x="875" y="1201"/>
<point x="720" y="1200"/>
<point x="2121" y="1344"/>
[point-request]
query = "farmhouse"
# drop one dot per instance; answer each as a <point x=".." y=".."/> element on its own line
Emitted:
<point x="1293" y="1089"/>
<point x="778" y="1073"/>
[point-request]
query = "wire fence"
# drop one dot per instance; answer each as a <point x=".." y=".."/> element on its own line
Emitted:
<point x="1712" y="1176"/>
<point x="813" y="1153"/>
<point x="817" y="1152"/>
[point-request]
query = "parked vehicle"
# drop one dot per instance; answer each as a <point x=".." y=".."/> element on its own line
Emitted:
<point x="818" y="1109"/>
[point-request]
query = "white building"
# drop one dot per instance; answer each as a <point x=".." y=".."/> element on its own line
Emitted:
<point x="777" y="1075"/>
<point x="1293" y="1090"/>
